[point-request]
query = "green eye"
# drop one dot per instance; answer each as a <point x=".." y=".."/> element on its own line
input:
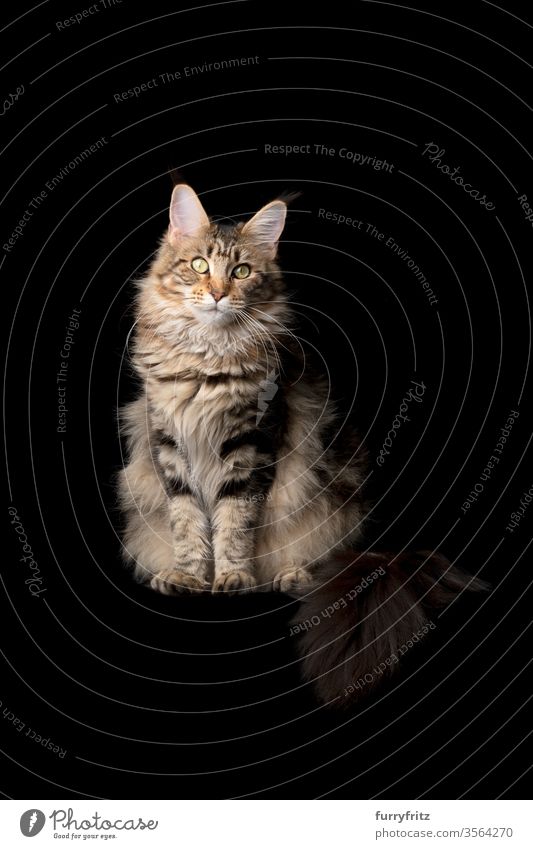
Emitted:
<point x="241" y="271"/>
<point x="200" y="265"/>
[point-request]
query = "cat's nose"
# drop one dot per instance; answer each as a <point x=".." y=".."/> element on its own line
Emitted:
<point x="217" y="295"/>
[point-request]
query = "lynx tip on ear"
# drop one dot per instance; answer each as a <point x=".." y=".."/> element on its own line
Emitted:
<point x="187" y="215"/>
<point x="267" y="225"/>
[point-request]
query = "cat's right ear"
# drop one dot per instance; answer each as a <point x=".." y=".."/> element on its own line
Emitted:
<point x="267" y="225"/>
<point x="187" y="215"/>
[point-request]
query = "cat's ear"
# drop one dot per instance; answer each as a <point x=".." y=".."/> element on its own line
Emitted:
<point x="267" y="225"/>
<point x="187" y="215"/>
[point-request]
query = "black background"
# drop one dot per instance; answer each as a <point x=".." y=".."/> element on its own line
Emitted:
<point x="200" y="698"/>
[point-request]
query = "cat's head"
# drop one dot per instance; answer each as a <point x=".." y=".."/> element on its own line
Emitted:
<point x="219" y="274"/>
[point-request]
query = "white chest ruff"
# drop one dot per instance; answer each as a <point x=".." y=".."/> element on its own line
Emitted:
<point x="197" y="417"/>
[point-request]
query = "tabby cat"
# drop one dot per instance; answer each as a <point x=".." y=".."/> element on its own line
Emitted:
<point x="242" y="474"/>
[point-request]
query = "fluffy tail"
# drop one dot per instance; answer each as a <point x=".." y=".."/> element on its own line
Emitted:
<point x="354" y="628"/>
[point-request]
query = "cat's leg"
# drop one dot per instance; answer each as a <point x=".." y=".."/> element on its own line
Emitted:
<point x="322" y="530"/>
<point x="146" y="539"/>
<point x="191" y="549"/>
<point x="166" y="535"/>
<point x="237" y="513"/>
<point x="299" y="537"/>
<point x="294" y="579"/>
<point x="147" y="543"/>
<point x="189" y="525"/>
<point x="149" y="493"/>
<point x="234" y="520"/>
<point x="301" y="553"/>
<point x="291" y="541"/>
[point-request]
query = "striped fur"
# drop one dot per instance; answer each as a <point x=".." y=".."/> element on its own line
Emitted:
<point x="240" y="473"/>
<point x="231" y="482"/>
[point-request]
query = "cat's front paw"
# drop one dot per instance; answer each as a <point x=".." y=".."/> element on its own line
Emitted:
<point x="293" y="581"/>
<point x="172" y="581"/>
<point x="237" y="581"/>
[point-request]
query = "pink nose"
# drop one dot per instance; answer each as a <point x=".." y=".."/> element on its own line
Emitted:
<point x="217" y="295"/>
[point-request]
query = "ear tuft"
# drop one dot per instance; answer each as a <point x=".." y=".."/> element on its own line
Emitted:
<point x="267" y="225"/>
<point x="187" y="215"/>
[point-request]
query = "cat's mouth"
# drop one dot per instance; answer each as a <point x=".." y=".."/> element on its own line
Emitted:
<point x="215" y="312"/>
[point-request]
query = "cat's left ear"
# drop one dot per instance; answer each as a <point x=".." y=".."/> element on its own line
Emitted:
<point x="187" y="215"/>
<point x="267" y="225"/>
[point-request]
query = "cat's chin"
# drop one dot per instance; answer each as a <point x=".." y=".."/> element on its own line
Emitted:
<point x="214" y="317"/>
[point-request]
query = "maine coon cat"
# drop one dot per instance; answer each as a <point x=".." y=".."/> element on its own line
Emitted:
<point x="242" y="474"/>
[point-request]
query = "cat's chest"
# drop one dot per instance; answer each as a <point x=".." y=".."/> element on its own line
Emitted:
<point x="201" y="417"/>
<point x="203" y="413"/>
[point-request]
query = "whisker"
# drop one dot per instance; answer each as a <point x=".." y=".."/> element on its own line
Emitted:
<point x="258" y="334"/>
<point x="296" y="339"/>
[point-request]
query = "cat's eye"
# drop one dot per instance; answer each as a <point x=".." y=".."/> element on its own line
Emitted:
<point x="200" y="264"/>
<point x="241" y="271"/>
